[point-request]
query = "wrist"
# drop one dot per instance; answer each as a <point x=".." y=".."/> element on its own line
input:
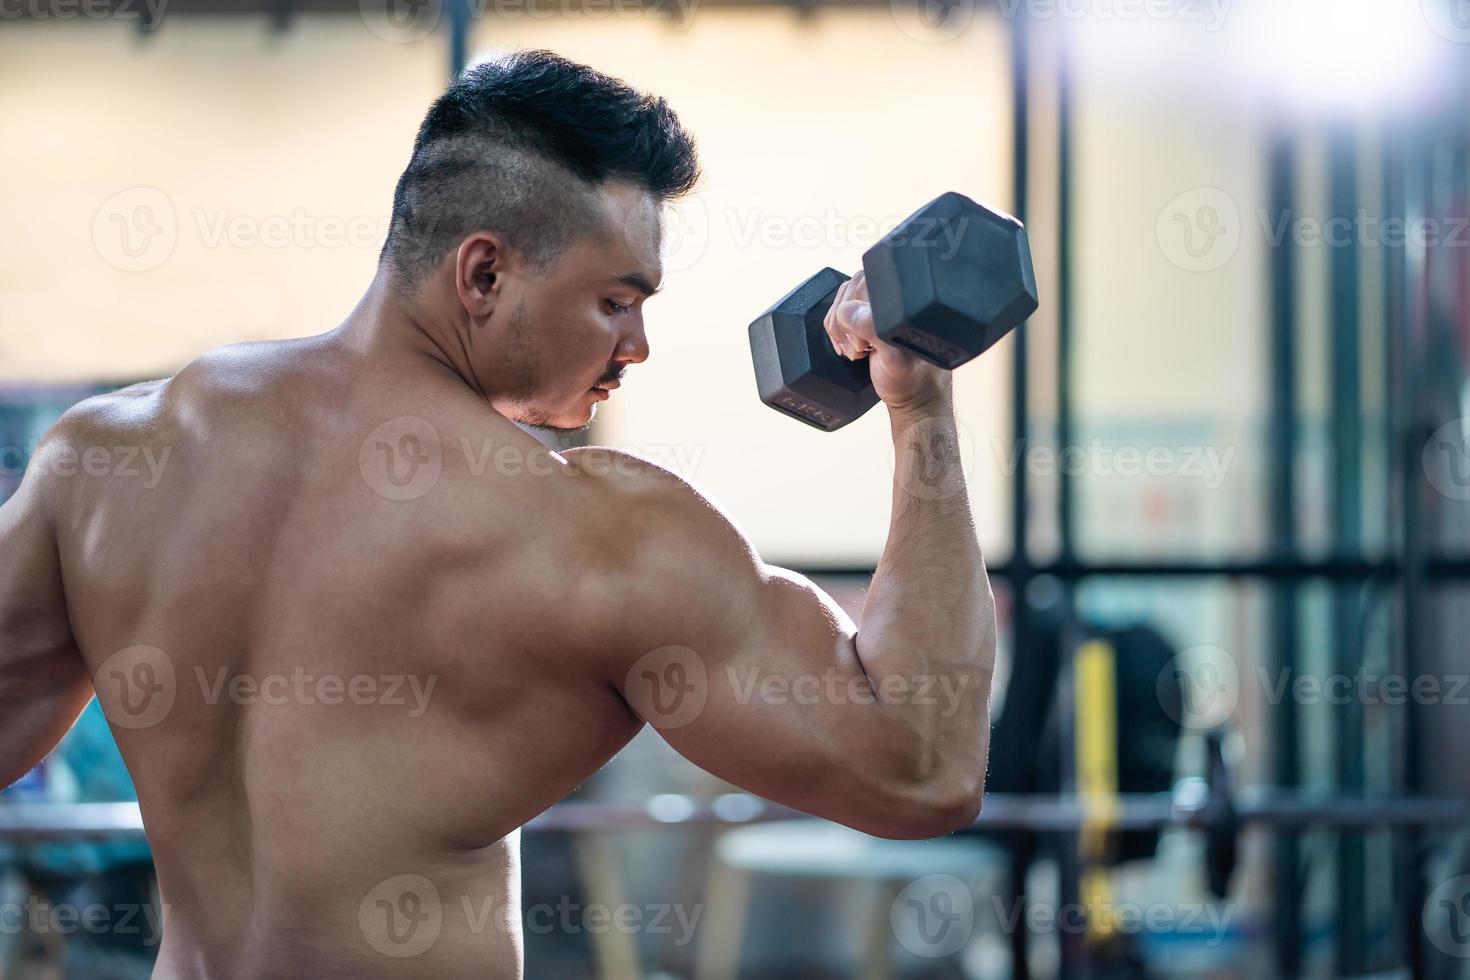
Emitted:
<point x="932" y="401"/>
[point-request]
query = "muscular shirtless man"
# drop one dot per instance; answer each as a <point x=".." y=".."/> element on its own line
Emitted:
<point x="353" y="627"/>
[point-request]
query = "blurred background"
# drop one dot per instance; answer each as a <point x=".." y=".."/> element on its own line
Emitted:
<point x="1221" y="475"/>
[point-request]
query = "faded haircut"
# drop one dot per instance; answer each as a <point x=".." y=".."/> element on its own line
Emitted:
<point x="519" y="146"/>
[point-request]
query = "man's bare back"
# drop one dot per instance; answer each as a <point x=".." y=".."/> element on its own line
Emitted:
<point x="353" y="627"/>
<point x="316" y="686"/>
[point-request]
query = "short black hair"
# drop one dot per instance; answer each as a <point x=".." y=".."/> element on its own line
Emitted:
<point x="517" y="145"/>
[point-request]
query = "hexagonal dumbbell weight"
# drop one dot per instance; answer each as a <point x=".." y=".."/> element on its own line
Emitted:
<point x="946" y="284"/>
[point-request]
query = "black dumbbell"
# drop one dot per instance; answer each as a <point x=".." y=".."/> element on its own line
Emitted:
<point x="952" y="279"/>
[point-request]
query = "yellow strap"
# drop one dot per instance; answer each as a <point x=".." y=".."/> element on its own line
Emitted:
<point x="1096" y="689"/>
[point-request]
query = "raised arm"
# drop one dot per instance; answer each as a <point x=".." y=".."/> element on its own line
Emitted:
<point x="755" y="675"/>
<point x="43" y="682"/>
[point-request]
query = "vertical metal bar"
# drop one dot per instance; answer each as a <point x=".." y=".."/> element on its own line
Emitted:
<point x="1286" y="765"/>
<point x="459" y="36"/>
<point x="1024" y="845"/>
<point x="1072" y="951"/>
<point x="1020" y="387"/>
<point x="1065" y="406"/>
<point x="1347" y="453"/>
<point x="1077" y="955"/>
<point x="1065" y="483"/>
<point x="1403" y="464"/>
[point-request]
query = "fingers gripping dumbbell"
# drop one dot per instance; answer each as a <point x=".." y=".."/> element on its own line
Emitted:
<point x="946" y="284"/>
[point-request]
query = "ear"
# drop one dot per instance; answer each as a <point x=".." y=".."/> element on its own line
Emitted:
<point x="479" y="274"/>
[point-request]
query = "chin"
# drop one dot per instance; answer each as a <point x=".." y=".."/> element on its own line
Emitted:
<point x="566" y="421"/>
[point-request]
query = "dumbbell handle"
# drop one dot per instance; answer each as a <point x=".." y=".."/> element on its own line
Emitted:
<point x="815" y="296"/>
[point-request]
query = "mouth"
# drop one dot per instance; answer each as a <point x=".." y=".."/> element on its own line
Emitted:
<point x="603" y="389"/>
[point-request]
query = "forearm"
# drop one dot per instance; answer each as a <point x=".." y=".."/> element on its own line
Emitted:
<point x="929" y="618"/>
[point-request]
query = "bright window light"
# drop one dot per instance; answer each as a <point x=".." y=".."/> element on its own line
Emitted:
<point x="1338" y="52"/>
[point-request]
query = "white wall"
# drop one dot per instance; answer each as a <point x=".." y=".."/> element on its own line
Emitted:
<point x="816" y="134"/>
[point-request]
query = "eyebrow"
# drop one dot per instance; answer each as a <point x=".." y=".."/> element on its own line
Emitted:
<point x="638" y="282"/>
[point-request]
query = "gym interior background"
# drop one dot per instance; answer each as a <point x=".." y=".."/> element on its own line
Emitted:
<point x="1221" y="475"/>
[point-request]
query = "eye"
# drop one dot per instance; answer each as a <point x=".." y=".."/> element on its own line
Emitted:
<point x="614" y="307"/>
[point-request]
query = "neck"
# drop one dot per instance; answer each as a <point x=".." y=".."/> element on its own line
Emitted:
<point x="395" y="327"/>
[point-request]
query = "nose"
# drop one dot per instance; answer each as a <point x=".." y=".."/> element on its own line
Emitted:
<point x="633" y="346"/>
